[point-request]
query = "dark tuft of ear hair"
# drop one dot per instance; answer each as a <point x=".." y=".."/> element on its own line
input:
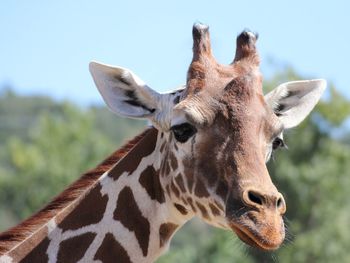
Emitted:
<point x="134" y="101"/>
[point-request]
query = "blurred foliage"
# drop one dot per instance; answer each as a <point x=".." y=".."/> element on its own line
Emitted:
<point x="45" y="145"/>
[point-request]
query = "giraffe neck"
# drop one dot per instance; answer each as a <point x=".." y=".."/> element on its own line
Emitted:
<point x="124" y="215"/>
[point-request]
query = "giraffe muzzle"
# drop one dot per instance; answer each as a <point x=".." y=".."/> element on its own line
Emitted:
<point x="257" y="219"/>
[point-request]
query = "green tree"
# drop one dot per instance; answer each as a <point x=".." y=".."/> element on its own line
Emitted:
<point x="50" y="155"/>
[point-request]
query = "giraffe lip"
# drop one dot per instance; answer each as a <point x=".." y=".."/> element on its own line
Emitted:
<point x="252" y="238"/>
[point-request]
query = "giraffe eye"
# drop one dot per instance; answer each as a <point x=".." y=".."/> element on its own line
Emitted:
<point x="183" y="132"/>
<point x="277" y="143"/>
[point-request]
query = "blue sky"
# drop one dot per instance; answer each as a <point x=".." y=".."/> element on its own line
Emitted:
<point x="45" y="47"/>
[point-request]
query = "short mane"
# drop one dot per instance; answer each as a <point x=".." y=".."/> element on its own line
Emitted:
<point x="19" y="233"/>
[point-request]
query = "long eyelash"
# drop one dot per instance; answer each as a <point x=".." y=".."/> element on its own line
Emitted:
<point x="284" y="145"/>
<point x="273" y="152"/>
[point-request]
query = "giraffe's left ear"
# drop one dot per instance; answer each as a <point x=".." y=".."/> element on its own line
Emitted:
<point x="293" y="101"/>
<point x="124" y="92"/>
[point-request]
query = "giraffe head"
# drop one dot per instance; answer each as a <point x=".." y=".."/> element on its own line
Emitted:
<point x="216" y="135"/>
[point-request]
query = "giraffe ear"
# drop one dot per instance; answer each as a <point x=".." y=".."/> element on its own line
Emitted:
<point x="124" y="92"/>
<point x="293" y="101"/>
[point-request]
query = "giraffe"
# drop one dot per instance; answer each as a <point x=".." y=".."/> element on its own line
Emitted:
<point x="204" y="155"/>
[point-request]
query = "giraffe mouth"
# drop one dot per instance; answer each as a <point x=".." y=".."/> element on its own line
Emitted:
<point x="253" y="238"/>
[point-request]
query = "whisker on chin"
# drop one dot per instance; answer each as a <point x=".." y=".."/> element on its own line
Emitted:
<point x="274" y="257"/>
<point x="238" y="212"/>
<point x="289" y="237"/>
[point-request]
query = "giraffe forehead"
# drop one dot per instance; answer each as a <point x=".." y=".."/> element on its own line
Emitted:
<point x="253" y="126"/>
<point x="245" y="106"/>
<point x="237" y="111"/>
<point x="204" y="98"/>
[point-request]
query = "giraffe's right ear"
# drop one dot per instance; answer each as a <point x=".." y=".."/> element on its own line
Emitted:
<point x="123" y="92"/>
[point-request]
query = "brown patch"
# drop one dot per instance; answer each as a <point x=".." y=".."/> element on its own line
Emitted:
<point x="129" y="214"/>
<point x="208" y="168"/>
<point x="214" y="210"/>
<point x="83" y="215"/>
<point x="200" y="189"/>
<point x="188" y="164"/>
<point x="181" y="209"/>
<point x="165" y="232"/>
<point x="149" y="179"/>
<point x="38" y="254"/>
<point x="222" y="190"/>
<point x="184" y="201"/>
<point x="204" y="211"/>
<point x="180" y="182"/>
<point x="175" y="190"/>
<point x="190" y="201"/>
<point x="175" y="147"/>
<point x="131" y="161"/>
<point x="173" y="161"/>
<point x="73" y="249"/>
<point x="208" y="165"/>
<point x="111" y="251"/>
<point x="167" y="168"/>
<point x="162" y="168"/>
<point x="162" y="147"/>
<point x="219" y="205"/>
<point x="17" y="234"/>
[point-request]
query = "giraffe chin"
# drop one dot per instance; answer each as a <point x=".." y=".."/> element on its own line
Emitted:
<point x="254" y="239"/>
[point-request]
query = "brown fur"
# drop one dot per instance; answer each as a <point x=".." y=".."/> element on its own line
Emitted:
<point x="17" y="234"/>
<point x="111" y="250"/>
<point x="129" y="215"/>
<point x="165" y="232"/>
<point x="149" y="179"/>
<point x="214" y="210"/>
<point x="81" y="216"/>
<point x="181" y="209"/>
<point x="80" y="245"/>
<point x="38" y="253"/>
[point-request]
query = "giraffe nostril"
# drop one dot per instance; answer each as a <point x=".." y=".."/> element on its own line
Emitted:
<point x="255" y="198"/>
<point x="263" y="200"/>
<point x="279" y="202"/>
<point x="281" y="205"/>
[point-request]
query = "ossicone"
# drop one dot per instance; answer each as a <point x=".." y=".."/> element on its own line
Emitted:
<point x="201" y="41"/>
<point x="246" y="47"/>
